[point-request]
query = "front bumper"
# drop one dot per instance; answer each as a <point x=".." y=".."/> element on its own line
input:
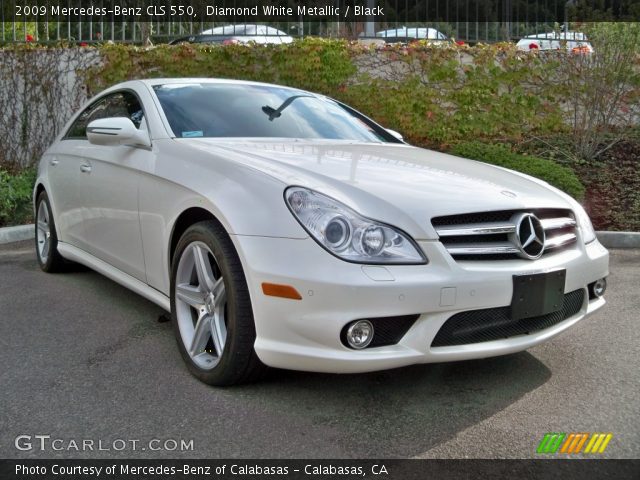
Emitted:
<point x="305" y="334"/>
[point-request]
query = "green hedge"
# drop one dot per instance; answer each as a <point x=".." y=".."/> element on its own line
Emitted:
<point x="435" y="96"/>
<point x="15" y="197"/>
<point x="561" y="177"/>
<point x="312" y="64"/>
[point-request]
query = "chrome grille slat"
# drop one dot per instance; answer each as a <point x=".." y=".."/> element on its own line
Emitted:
<point x="484" y="249"/>
<point x="555" y="223"/>
<point x="560" y="240"/>
<point x="476" y="229"/>
<point x="490" y="235"/>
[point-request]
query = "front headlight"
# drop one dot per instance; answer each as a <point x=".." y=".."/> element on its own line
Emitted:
<point x="348" y="235"/>
<point x="584" y="222"/>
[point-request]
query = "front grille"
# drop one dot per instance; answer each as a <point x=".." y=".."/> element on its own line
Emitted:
<point x="386" y="330"/>
<point x="476" y="326"/>
<point x="490" y="235"/>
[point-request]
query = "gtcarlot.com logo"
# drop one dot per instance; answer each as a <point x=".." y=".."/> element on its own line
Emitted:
<point x="574" y="443"/>
<point x="43" y="443"/>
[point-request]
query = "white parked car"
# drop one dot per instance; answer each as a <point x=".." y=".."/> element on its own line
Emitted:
<point x="403" y="34"/>
<point x="282" y="228"/>
<point x="575" y="42"/>
<point x="246" y="33"/>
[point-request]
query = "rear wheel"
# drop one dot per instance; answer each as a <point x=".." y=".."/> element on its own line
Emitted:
<point x="46" y="239"/>
<point x="211" y="309"/>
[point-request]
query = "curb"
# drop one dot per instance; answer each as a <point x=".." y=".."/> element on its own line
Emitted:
<point x="619" y="239"/>
<point x="607" y="239"/>
<point x="16" y="234"/>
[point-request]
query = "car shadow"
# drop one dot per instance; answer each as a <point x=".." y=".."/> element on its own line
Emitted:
<point x="403" y="412"/>
<point x="25" y="251"/>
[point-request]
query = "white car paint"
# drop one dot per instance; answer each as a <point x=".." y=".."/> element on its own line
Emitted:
<point x="571" y="41"/>
<point x="119" y="218"/>
<point x="420" y="33"/>
<point x="242" y="33"/>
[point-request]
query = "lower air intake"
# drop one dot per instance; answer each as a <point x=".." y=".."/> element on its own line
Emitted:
<point x="476" y="326"/>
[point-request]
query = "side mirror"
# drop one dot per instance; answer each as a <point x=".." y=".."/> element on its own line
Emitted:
<point x="395" y="134"/>
<point x="116" y="131"/>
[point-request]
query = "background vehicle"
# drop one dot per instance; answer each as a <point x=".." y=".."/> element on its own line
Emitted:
<point x="261" y="34"/>
<point x="575" y="42"/>
<point x="408" y="34"/>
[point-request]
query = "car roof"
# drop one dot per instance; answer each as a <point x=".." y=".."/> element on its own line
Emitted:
<point x="163" y="81"/>
<point x="152" y="82"/>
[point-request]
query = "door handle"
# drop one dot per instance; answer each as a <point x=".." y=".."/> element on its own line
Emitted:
<point x="84" y="168"/>
<point x="54" y="162"/>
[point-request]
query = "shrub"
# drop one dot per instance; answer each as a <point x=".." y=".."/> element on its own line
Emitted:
<point x="557" y="175"/>
<point x="602" y="90"/>
<point x="15" y="197"/>
<point x="439" y="96"/>
<point x="433" y="95"/>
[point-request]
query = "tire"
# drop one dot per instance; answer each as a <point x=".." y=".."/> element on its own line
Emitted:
<point x="46" y="238"/>
<point x="211" y="309"/>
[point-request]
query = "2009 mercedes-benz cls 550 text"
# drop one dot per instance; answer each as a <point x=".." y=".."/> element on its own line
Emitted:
<point x="283" y="228"/>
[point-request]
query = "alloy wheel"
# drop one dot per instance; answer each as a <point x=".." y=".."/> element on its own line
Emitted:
<point x="201" y="301"/>
<point x="43" y="232"/>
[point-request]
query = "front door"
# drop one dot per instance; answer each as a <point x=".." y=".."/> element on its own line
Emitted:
<point x="109" y="183"/>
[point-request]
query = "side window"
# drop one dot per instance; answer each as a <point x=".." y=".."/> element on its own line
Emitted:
<point x="79" y="127"/>
<point x="120" y="104"/>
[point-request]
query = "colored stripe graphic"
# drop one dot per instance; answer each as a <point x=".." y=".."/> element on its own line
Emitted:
<point x="567" y="443"/>
<point x="598" y="443"/>
<point x="543" y="443"/>
<point x="581" y="443"/>
<point x="551" y="442"/>
<point x="605" y="443"/>
<point x="572" y="443"/>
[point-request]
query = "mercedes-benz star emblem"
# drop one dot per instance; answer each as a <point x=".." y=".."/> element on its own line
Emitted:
<point x="529" y="236"/>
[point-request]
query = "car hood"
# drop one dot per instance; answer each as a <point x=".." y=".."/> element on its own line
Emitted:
<point x="398" y="184"/>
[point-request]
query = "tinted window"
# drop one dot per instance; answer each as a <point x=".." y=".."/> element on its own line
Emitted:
<point x="228" y="110"/>
<point x="121" y="104"/>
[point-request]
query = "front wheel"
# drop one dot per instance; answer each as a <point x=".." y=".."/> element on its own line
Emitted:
<point x="211" y="308"/>
<point x="46" y="239"/>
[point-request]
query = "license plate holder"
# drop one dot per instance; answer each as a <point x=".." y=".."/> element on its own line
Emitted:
<point x="537" y="294"/>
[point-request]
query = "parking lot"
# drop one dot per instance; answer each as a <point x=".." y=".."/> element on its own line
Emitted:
<point x="83" y="358"/>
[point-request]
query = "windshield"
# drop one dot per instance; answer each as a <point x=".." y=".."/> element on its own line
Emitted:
<point x="242" y="110"/>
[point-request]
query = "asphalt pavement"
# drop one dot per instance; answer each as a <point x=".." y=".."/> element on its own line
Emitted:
<point x="85" y="360"/>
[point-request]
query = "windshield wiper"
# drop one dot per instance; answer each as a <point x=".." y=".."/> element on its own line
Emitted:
<point x="275" y="113"/>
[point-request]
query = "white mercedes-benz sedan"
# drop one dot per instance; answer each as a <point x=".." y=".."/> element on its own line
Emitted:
<point x="282" y="228"/>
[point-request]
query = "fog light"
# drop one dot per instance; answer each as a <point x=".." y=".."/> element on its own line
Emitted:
<point x="359" y="334"/>
<point x="599" y="287"/>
